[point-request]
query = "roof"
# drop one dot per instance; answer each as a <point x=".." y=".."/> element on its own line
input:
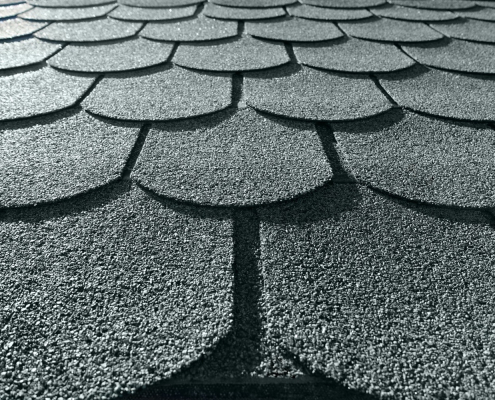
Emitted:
<point x="247" y="198"/>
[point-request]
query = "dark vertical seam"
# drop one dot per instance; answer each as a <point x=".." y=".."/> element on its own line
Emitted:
<point x="135" y="152"/>
<point x="382" y="89"/>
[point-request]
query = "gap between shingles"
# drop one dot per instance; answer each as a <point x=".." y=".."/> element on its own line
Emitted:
<point x="135" y="152"/>
<point x="384" y="92"/>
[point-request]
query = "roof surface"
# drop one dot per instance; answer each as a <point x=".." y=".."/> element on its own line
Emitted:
<point x="247" y="199"/>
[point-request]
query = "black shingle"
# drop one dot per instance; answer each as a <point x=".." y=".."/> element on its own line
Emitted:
<point x="294" y="30"/>
<point x="66" y="14"/>
<point x="414" y="14"/>
<point x="12" y="11"/>
<point x="477" y="31"/>
<point x="14" y="28"/>
<point x="126" y="288"/>
<point x="379" y="295"/>
<point x="310" y="94"/>
<point x="238" y="13"/>
<point x="25" y="52"/>
<point x="327" y="14"/>
<point x="54" y="157"/>
<point x="238" y="158"/>
<point x="422" y="158"/>
<point x="243" y="54"/>
<point x="192" y="30"/>
<point x="352" y="55"/>
<point x="390" y="30"/>
<point x="159" y="3"/>
<point x="157" y="96"/>
<point x="39" y="92"/>
<point x="112" y="57"/>
<point x="126" y="13"/>
<point x="442" y="93"/>
<point x="344" y="3"/>
<point x="253" y="3"/>
<point x="89" y="31"/>
<point x="455" y="55"/>
<point x="71" y="3"/>
<point x="436" y="4"/>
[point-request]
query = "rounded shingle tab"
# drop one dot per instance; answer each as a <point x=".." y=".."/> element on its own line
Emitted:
<point x="473" y="30"/>
<point x="327" y="14"/>
<point x="16" y="27"/>
<point x="25" y="52"/>
<point x="67" y="14"/>
<point x="344" y="3"/>
<point x="436" y="4"/>
<point x="238" y="13"/>
<point x="126" y="13"/>
<point x="69" y="4"/>
<point x="253" y="3"/>
<point x="159" y="3"/>
<point x="12" y="11"/>
<point x="414" y="14"/>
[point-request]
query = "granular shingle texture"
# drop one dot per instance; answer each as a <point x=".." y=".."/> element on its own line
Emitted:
<point x="310" y="94"/>
<point x="71" y="3"/>
<point x="158" y="95"/>
<point x="126" y="13"/>
<point x="240" y="159"/>
<point x="25" y="52"/>
<point x="66" y="14"/>
<point x="445" y="94"/>
<point x="253" y="3"/>
<point x="159" y="3"/>
<point x="344" y="3"/>
<point x="436" y="4"/>
<point x="89" y="31"/>
<point x="477" y="31"/>
<point x="12" y="11"/>
<point x="60" y="156"/>
<point x="123" y="56"/>
<point x="327" y="14"/>
<point x="243" y="54"/>
<point x="455" y="55"/>
<point x="238" y="13"/>
<point x="390" y="30"/>
<point x="381" y="295"/>
<point x="353" y="55"/>
<point x="16" y="27"/>
<point x="414" y="14"/>
<point x="39" y="92"/>
<point x="190" y="30"/>
<point x="126" y="288"/>
<point x="422" y="158"/>
<point x="294" y="30"/>
<point x="484" y="14"/>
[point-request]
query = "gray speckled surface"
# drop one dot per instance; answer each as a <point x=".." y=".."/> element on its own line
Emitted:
<point x="327" y="14"/>
<point x="344" y="3"/>
<point x="482" y="13"/>
<point x="314" y="95"/>
<point x="126" y="288"/>
<point x="126" y="13"/>
<point x="253" y="3"/>
<point x="294" y="30"/>
<point x="159" y="3"/>
<point x="16" y="27"/>
<point x="436" y="4"/>
<point x="60" y="156"/>
<point x="123" y="56"/>
<point x="422" y="158"/>
<point x="238" y="13"/>
<point x="413" y="14"/>
<point x="234" y="159"/>
<point x="455" y="55"/>
<point x="243" y="54"/>
<point x="442" y="93"/>
<point x="156" y="96"/>
<point x="71" y="3"/>
<point x="89" y="31"/>
<point x="384" y="297"/>
<point x="353" y="55"/>
<point x="477" y="31"/>
<point x="11" y="11"/>
<point x="390" y="30"/>
<point x="67" y="14"/>
<point x="190" y="30"/>
<point x="25" y="52"/>
<point x="39" y="92"/>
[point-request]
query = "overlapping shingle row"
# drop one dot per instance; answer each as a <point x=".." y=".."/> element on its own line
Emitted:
<point x="287" y="130"/>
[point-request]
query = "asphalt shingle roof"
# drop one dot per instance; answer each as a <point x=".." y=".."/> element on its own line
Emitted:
<point x="247" y="199"/>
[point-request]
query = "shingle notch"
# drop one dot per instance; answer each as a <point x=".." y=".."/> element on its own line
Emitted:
<point x="160" y="95"/>
<point x="352" y="55"/>
<point x="123" y="56"/>
<point x="120" y="271"/>
<point x="455" y="55"/>
<point x="192" y="30"/>
<point x="294" y="30"/>
<point x="421" y="158"/>
<point x="89" y="31"/>
<point x="344" y="3"/>
<point x="236" y="159"/>
<point x="351" y="271"/>
<point x="39" y="92"/>
<point x="390" y="30"/>
<point x="414" y="14"/>
<point x="12" y="11"/>
<point x="327" y="14"/>
<point x="126" y="13"/>
<point x="25" y="52"/>
<point x="309" y="94"/>
<point x="253" y="3"/>
<point x="444" y="94"/>
<point x="476" y="31"/>
<point x="238" y="13"/>
<point x="66" y="14"/>
<point x="51" y="158"/>
<point x="16" y="27"/>
<point x="243" y="54"/>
